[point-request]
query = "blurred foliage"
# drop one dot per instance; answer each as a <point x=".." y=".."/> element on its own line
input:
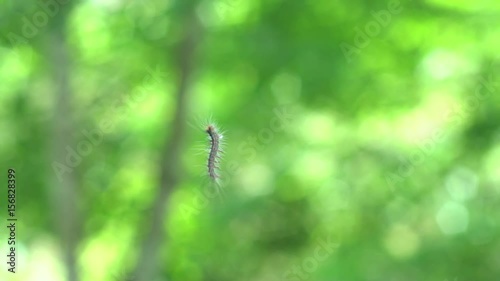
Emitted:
<point x="370" y="124"/>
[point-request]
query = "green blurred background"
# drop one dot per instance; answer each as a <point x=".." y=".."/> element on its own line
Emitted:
<point x="362" y="139"/>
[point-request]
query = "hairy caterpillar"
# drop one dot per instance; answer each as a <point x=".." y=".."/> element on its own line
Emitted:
<point x="214" y="152"/>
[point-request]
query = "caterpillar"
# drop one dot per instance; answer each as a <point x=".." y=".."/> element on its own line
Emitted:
<point x="214" y="152"/>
